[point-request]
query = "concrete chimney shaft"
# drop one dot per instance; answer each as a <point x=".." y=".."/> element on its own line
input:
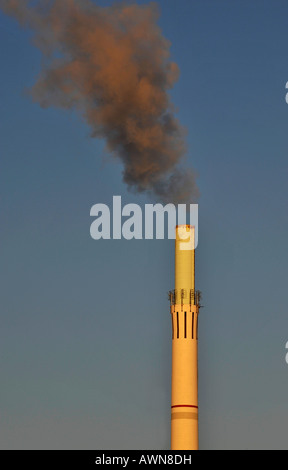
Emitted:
<point x="184" y="302"/>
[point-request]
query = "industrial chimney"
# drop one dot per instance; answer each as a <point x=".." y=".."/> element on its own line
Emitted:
<point x="184" y="304"/>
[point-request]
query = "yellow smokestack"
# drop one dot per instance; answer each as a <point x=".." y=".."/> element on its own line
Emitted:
<point x="184" y="310"/>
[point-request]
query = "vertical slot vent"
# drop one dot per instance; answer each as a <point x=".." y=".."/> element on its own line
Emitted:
<point x="197" y="327"/>
<point x="192" y="325"/>
<point x="185" y="324"/>
<point x="177" y="325"/>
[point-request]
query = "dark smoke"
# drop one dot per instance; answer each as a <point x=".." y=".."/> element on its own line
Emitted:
<point x="112" y="65"/>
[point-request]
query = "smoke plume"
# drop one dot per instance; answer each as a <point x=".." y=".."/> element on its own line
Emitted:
<point x="112" y="65"/>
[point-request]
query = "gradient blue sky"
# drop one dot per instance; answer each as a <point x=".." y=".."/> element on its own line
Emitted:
<point x="85" y="326"/>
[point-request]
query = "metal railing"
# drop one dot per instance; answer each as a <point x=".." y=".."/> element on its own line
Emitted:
<point x="194" y="297"/>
